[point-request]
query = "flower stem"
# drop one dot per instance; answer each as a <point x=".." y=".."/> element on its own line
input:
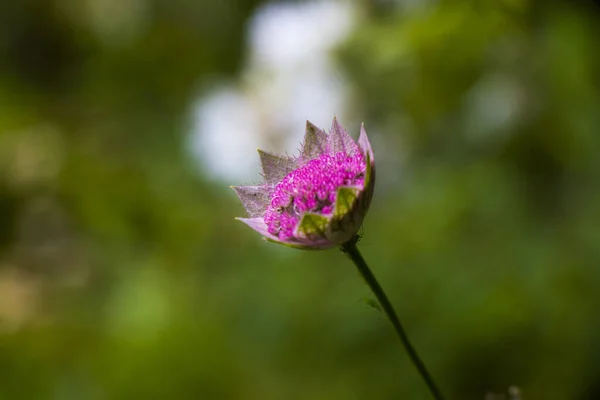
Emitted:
<point x="350" y="249"/>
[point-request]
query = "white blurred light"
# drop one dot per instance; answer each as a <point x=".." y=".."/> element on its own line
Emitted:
<point x="289" y="78"/>
<point x="228" y="135"/>
<point x="286" y="35"/>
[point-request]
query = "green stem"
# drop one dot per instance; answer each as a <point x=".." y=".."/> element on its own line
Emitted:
<point x="350" y="249"/>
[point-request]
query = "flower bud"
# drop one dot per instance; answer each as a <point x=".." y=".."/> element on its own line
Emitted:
<point x="317" y="200"/>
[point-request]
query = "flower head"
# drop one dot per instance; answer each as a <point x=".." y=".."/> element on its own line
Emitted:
<point x="318" y="199"/>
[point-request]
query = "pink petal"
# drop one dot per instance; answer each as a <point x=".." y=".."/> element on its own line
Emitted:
<point x="255" y="199"/>
<point x="259" y="225"/>
<point x="340" y="141"/>
<point x="315" y="143"/>
<point x="364" y="144"/>
<point x="275" y="167"/>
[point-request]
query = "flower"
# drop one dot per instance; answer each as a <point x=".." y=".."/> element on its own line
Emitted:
<point x="317" y="200"/>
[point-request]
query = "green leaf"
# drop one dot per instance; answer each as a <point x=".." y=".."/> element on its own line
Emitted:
<point x="372" y="303"/>
<point x="313" y="224"/>
<point x="346" y="196"/>
<point x="369" y="172"/>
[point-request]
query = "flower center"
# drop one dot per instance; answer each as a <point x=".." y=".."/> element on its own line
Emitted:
<point x="312" y="188"/>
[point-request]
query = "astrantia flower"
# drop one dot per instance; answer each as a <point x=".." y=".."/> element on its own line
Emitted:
<point x="317" y="200"/>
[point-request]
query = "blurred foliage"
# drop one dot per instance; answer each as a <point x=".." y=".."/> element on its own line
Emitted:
<point x="124" y="275"/>
<point x="496" y="103"/>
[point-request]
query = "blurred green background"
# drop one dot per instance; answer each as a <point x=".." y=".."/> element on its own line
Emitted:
<point x="124" y="275"/>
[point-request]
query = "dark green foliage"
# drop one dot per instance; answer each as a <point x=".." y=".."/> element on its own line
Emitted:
<point x="124" y="275"/>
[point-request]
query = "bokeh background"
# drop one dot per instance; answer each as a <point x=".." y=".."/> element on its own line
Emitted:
<point x="124" y="275"/>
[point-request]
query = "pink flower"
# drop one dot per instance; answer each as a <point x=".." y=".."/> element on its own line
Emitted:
<point x="317" y="200"/>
